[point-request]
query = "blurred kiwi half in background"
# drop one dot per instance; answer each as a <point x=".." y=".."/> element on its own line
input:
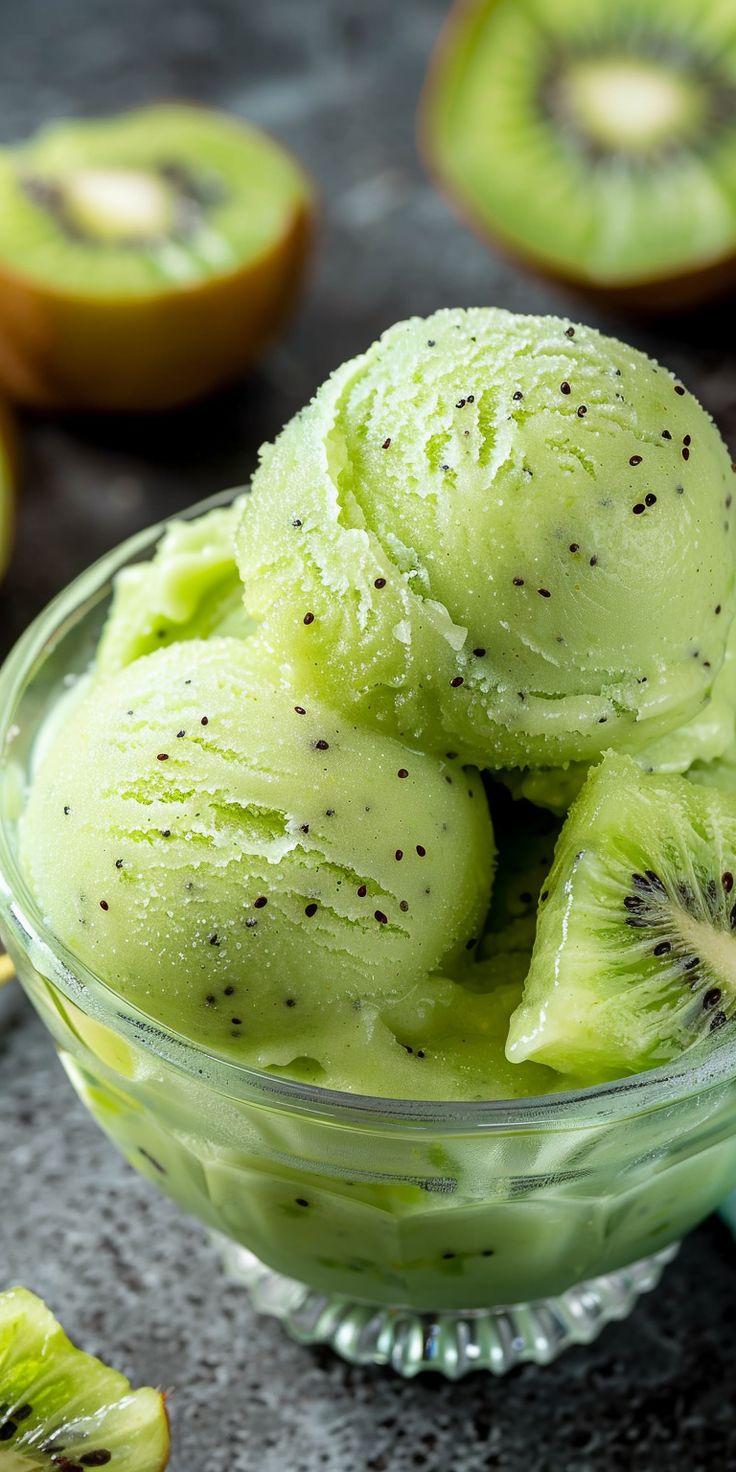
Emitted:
<point x="145" y="259"/>
<point x="593" y="141"/>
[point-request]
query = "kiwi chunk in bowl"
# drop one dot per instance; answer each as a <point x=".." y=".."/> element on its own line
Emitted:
<point x="594" y="142"/>
<point x="637" y="927"/>
<point x="450" y="1236"/>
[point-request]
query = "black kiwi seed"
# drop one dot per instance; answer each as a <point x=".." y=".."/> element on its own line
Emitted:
<point x="151" y="1160"/>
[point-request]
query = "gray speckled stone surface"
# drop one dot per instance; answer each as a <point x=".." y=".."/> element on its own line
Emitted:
<point x="131" y="1278"/>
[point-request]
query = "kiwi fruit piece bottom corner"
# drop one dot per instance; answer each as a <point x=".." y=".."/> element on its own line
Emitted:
<point x="634" y="959"/>
<point x="595" y="142"/>
<point x="145" y="259"/>
<point x="63" y="1409"/>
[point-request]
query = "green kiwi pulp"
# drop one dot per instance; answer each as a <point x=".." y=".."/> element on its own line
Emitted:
<point x="596" y="140"/>
<point x="163" y="197"/>
<point x="63" y="1409"/>
<point x="635" y="952"/>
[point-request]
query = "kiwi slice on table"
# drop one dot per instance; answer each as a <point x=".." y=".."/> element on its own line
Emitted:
<point x="595" y="141"/>
<point x="635" y="951"/>
<point x="144" y="259"/>
<point x="63" y="1409"/>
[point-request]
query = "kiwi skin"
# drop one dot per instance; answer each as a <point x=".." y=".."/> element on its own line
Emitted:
<point x="662" y="294"/>
<point x="61" y="350"/>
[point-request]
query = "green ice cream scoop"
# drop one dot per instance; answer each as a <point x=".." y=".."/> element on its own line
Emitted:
<point x="244" y="865"/>
<point x="190" y="589"/>
<point x="506" y="536"/>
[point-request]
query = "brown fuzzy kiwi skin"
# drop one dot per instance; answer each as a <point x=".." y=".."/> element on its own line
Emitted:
<point x="69" y="351"/>
<point x="663" y="294"/>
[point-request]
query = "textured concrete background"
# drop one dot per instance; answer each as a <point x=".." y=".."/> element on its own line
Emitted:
<point x="132" y="1279"/>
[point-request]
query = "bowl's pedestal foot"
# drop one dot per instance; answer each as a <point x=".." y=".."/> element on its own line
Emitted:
<point x="451" y="1343"/>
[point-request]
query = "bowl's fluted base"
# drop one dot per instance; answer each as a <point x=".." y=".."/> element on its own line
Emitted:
<point x="449" y="1343"/>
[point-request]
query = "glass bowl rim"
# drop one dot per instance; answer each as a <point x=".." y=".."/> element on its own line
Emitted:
<point x="704" y="1068"/>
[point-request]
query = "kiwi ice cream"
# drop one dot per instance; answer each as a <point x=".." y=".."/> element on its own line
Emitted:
<point x="491" y="550"/>
<point x="243" y="864"/>
<point x="190" y="590"/>
<point x="507" y="536"/>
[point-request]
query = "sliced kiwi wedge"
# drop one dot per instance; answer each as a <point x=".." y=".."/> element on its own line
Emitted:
<point x="145" y="258"/>
<point x="595" y="141"/>
<point x="635" y="953"/>
<point x="63" y="1409"/>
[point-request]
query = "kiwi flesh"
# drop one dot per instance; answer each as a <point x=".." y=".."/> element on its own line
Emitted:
<point x="595" y="142"/>
<point x="635" y="953"/>
<point x="146" y="258"/>
<point x="63" y="1409"/>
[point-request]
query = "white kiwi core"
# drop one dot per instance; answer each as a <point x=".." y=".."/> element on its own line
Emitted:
<point x="119" y="204"/>
<point x="623" y="103"/>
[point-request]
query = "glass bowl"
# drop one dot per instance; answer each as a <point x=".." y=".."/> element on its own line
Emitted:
<point x="433" y="1236"/>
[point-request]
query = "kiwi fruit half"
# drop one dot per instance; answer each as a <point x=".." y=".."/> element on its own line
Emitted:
<point x="63" y="1409"/>
<point x="144" y="259"/>
<point x="595" y="141"/>
<point x="635" y="952"/>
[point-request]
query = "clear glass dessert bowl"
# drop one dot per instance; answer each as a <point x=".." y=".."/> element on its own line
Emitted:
<point x="437" y="1236"/>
